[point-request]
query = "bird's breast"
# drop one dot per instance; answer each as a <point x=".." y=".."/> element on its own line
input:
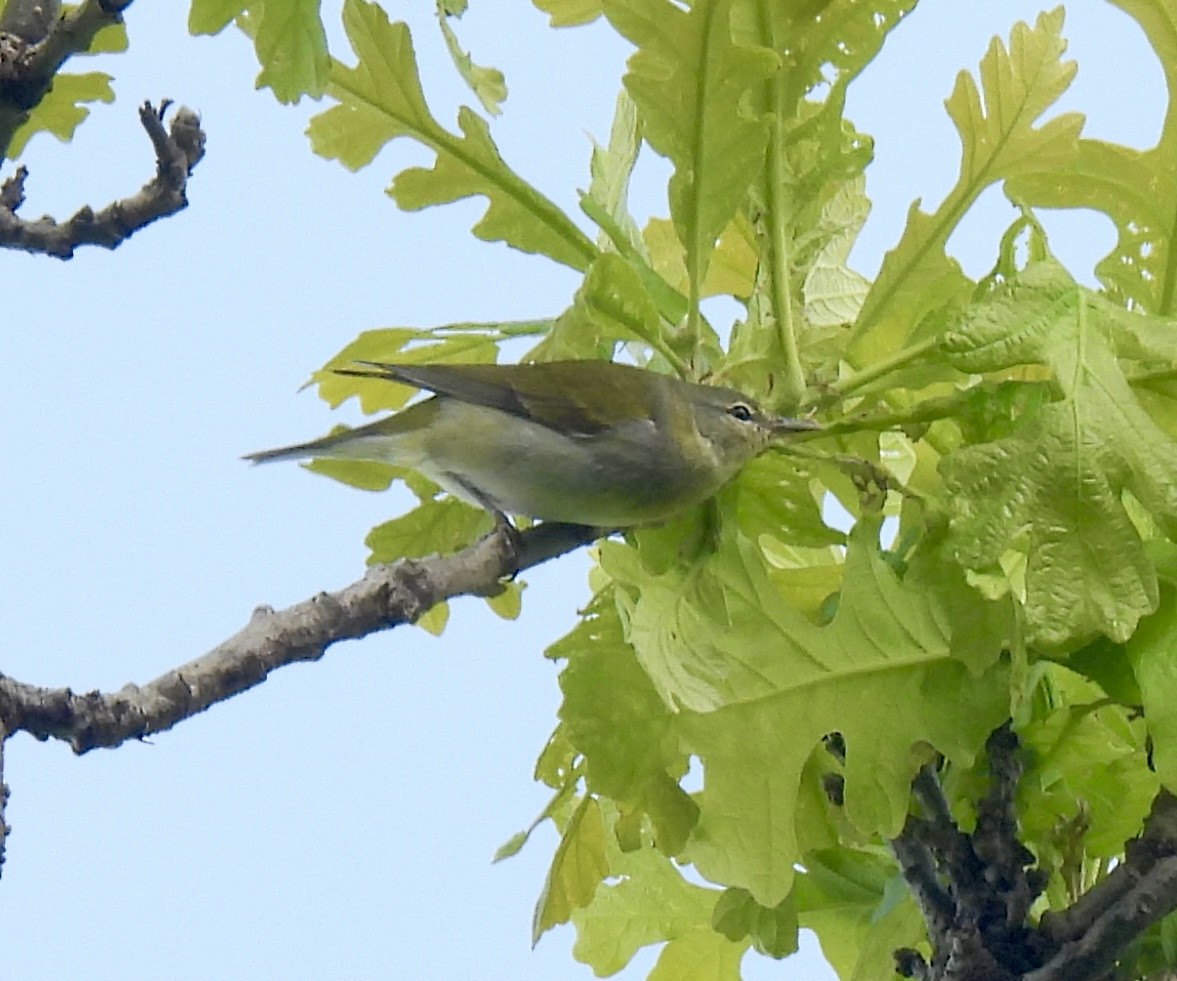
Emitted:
<point x="620" y="476"/>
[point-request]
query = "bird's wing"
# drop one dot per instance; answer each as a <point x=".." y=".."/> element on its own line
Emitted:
<point x="538" y="393"/>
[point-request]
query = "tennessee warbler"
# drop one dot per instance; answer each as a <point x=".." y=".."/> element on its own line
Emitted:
<point x="584" y="442"/>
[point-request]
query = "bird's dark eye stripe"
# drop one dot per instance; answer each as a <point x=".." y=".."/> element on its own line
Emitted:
<point x="739" y="410"/>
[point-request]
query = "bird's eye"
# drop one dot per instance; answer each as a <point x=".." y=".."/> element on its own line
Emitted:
<point x="739" y="410"/>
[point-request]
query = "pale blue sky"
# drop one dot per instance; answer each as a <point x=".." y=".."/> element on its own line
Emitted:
<point x="339" y="820"/>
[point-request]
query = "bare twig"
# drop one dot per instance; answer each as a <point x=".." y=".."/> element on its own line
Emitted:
<point x="995" y="840"/>
<point x="1093" y="953"/>
<point x="177" y="150"/>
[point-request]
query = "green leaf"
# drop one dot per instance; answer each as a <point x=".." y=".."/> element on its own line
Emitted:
<point x="615" y="304"/>
<point x="774" y="495"/>
<point x="1132" y="187"/>
<point x="1126" y="185"/>
<point x="833" y="292"/>
<point x="1151" y="653"/>
<point x="361" y="474"/>
<point x="291" y="46"/>
<point x="671" y="304"/>
<point x="1053" y="491"/>
<point x="689" y="80"/>
<point x="1019" y="84"/>
<point x="213" y="16"/>
<point x="381" y="99"/>
<point x="1085" y="763"/>
<point x="111" y="39"/>
<point x="511" y="847"/>
<point x="672" y="811"/>
<point x="507" y="604"/>
<point x="486" y="83"/>
<point x="917" y="277"/>
<point x="896" y="926"/>
<point x="577" y="869"/>
<point x="60" y="112"/>
<point x="574" y="336"/>
<point x="611" y="712"/>
<point x="813" y="156"/>
<point x="860" y="909"/>
<point x="614" y="301"/>
<point x="757" y="687"/>
<point x="1110" y="666"/>
<point x="773" y="931"/>
<point x="516" y="212"/>
<point x="978" y="632"/>
<point x="556" y="763"/>
<point x="733" y="913"/>
<point x="453" y="344"/>
<point x="433" y="621"/>
<point x="615" y="719"/>
<point x="732" y="270"/>
<point x="569" y="13"/>
<point x="611" y="168"/>
<point x="438" y="526"/>
<point x="998" y="141"/>
<point x="700" y="955"/>
<point x="819" y="45"/>
<point x="649" y="902"/>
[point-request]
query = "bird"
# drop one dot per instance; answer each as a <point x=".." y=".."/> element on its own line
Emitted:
<point x="585" y="442"/>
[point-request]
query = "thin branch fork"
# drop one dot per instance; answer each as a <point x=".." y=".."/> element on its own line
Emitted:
<point x="178" y="149"/>
<point x="1093" y="932"/>
<point x="975" y="890"/>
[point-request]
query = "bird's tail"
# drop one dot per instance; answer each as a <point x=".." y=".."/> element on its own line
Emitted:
<point x="342" y="443"/>
<point x="297" y="452"/>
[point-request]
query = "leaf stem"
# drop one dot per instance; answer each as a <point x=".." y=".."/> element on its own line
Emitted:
<point x="900" y="359"/>
<point x="655" y="339"/>
<point x="671" y="304"/>
<point x="415" y="121"/>
<point x="779" y="202"/>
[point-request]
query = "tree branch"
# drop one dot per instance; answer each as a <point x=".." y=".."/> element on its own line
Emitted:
<point x="972" y="889"/>
<point x="387" y="596"/>
<point x="177" y="151"/>
<point x="952" y="848"/>
<point x="28" y="62"/>
<point x="976" y="890"/>
<point x="1095" y="929"/>
<point x="919" y="871"/>
<point x="1097" y="949"/>
<point x="29" y="20"/>
<point x="1006" y="861"/>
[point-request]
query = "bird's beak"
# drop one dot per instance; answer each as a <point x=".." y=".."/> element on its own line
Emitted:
<point x="781" y="424"/>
